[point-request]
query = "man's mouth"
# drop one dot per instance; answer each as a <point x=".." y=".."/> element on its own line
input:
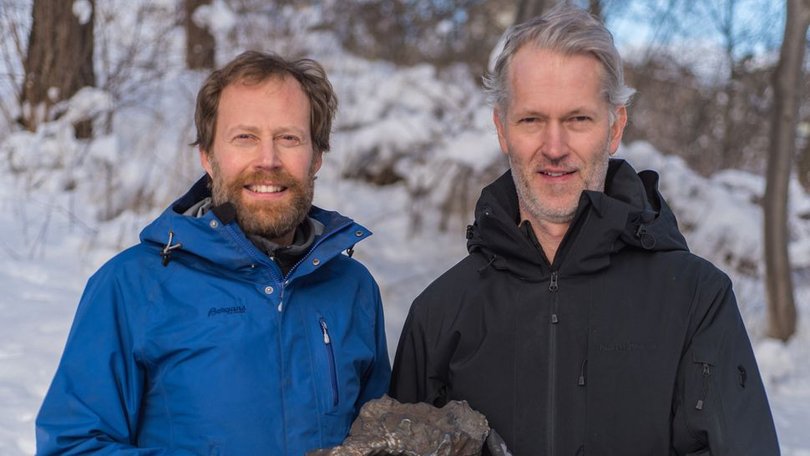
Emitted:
<point x="265" y="188"/>
<point x="556" y="173"/>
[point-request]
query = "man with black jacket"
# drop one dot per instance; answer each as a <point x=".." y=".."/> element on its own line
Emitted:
<point x="580" y="323"/>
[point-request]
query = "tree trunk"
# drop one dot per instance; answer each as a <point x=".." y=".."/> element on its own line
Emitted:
<point x="804" y="166"/>
<point x="528" y="9"/>
<point x="59" y="60"/>
<point x="200" y="44"/>
<point x="595" y="7"/>
<point x="787" y="83"/>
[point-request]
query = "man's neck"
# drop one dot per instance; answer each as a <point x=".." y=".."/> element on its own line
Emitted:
<point x="299" y="243"/>
<point x="549" y="234"/>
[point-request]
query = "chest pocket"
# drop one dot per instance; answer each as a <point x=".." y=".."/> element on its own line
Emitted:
<point x="329" y="367"/>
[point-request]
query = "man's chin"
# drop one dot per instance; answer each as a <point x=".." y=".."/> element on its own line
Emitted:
<point x="559" y="215"/>
<point x="269" y="221"/>
<point x="265" y="207"/>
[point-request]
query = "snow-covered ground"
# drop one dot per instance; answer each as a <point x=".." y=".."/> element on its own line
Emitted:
<point x="62" y="204"/>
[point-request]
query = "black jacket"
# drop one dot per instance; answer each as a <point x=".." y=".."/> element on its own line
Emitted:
<point x="627" y="344"/>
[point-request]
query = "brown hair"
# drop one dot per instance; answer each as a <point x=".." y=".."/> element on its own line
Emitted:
<point x="257" y="67"/>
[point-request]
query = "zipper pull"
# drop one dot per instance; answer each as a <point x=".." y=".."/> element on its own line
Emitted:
<point x="553" y="285"/>
<point x="325" y="332"/>
<point x="581" y="379"/>
<point x="707" y="371"/>
<point x="281" y="296"/>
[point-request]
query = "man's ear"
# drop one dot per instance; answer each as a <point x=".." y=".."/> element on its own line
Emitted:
<point x="205" y="161"/>
<point x="617" y="129"/>
<point x="499" y="126"/>
<point x="317" y="161"/>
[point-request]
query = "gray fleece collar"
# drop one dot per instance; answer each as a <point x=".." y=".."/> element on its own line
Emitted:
<point x="305" y="233"/>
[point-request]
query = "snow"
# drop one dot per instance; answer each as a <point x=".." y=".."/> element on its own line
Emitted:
<point x="83" y="10"/>
<point x="216" y="17"/>
<point x="70" y="205"/>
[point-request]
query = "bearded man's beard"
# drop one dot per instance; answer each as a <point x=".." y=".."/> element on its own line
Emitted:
<point x="269" y="219"/>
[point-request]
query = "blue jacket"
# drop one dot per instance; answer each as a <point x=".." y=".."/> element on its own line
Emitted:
<point x="218" y="353"/>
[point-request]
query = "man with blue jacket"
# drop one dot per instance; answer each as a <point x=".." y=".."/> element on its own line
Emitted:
<point x="238" y="325"/>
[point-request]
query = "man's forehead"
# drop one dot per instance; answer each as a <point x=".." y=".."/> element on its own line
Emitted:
<point x="273" y="80"/>
<point x="280" y="89"/>
<point x="548" y="82"/>
<point x="531" y="56"/>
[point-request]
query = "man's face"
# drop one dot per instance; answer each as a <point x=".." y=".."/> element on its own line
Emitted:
<point x="556" y="131"/>
<point x="262" y="158"/>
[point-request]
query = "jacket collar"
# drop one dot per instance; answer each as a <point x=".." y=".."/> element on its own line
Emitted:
<point x="630" y="213"/>
<point x="216" y="237"/>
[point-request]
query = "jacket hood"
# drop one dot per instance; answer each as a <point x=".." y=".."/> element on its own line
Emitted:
<point x="215" y="236"/>
<point x="630" y="213"/>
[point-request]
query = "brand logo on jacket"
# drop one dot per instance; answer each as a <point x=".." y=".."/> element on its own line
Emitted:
<point x="214" y="311"/>
<point x="626" y="347"/>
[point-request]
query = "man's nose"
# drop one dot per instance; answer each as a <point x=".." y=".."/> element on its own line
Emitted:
<point x="268" y="155"/>
<point x="554" y="140"/>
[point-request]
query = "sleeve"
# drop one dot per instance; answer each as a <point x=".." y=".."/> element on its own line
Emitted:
<point x="378" y="376"/>
<point x="93" y="402"/>
<point x="720" y="406"/>
<point x="412" y="379"/>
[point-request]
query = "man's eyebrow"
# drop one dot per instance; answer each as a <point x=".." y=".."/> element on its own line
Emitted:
<point x="255" y="129"/>
<point x="578" y="111"/>
<point x="290" y="129"/>
<point x="519" y="113"/>
<point x="243" y="127"/>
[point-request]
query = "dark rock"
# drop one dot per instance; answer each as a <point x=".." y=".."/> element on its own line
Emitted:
<point x="388" y="427"/>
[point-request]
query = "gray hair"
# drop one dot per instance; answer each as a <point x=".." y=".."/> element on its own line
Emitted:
<point x="569" y="30"/>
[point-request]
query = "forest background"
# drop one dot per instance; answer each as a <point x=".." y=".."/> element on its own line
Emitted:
<point x="96" y="108"/>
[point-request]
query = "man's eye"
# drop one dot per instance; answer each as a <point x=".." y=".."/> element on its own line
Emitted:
<point x="243" y="138"/>
<point x="289" y="140"/>
<point x="528" y="120"/>
<point x="580" y="119"/>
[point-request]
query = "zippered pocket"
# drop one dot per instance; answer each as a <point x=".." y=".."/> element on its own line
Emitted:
<point x="706" y="373"/>
<point x="330" y="358"/>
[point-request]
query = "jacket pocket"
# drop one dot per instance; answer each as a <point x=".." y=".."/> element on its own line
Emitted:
<point x="698" y="410"/>
<point x="707" y="402"/>
<point x="330" y="358"/>
<point x="704" y="384"/>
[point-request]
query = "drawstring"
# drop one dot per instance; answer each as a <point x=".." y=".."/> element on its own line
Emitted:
<point x="166" y="253"/>
<point x="350" y="251"/>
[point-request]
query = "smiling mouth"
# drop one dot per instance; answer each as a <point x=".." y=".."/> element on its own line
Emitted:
<point x="556" y="173"/>
<point x="265" y="188"/>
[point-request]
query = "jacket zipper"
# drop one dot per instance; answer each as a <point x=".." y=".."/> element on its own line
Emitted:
<point x="281" y="279"/>
<point x="330" y="355"/>
<point x="552" y="374"/>
<point x="285" y="280"/>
